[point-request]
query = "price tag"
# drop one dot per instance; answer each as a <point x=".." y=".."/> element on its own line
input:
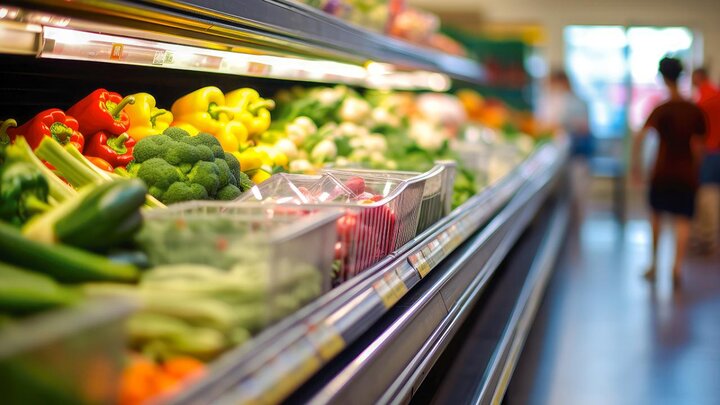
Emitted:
<point x="419" y="263"/>
<point x="387" y="295"/>
<point x="116" y="52"/>
<point x="326" y="340"/>
<point x="445" y="242"/>
<point x="257" y="68"/>
<point x="436" y="249"/>
<point x="427" y="253"/>
<point x="408" y="275"/>
<point x="396" y="284"/>
<point x="436" y="246"/>
<point x="159" y="58"/>
<point x="292" y="367"/>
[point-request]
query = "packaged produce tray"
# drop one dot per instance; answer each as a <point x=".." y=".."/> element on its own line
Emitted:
<point x="380" y="212"/>
<point x="489" y="161"/>
<point x="437" y="192"/>
<point x="286" y="252"/>
<point x="72" y="355"/>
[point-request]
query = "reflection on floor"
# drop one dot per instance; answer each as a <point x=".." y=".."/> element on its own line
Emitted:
<point x="603" y="335"/>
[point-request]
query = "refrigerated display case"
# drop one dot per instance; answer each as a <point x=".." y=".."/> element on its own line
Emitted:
<point x="375" y="336"/>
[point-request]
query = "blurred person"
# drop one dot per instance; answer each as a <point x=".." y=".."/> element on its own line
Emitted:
<point x="704" y="237"/>
<point x="705" y="88"/>
<point x="563" y="110"/>
<point x="680" y="126"/>
<point x="564" y="113"/>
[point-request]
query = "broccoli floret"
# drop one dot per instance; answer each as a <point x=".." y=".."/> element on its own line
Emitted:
<point x="178" y="167"/>
<point x="158" y="173"/>
<point x="185" y="168"/>
<point x="157" y="192"/>
<point x="151" y="147"/>
<point x="207" y="175"/>
<point x="228" y="193"/>
<point x="224" y="173"/>
<point x="123" y="171"/>
<point x="182" y="191"/>
<point x="176" y="133"/>
<point x="180" y="153"/>
<point x="234" y="165"/>
<point x="244" y="181"/>
<point x="205" y="153"/>
<point x="203" y="138"/>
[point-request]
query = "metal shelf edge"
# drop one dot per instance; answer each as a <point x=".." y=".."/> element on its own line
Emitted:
<point x="509" y="215"/>
<point x="508" y="353"/>
<point x="279" y="26"/>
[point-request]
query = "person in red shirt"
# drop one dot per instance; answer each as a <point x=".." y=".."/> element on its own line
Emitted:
<point x="705" y="88"/>
<point x="704" y="239"/>
<point x="680" y="125"/>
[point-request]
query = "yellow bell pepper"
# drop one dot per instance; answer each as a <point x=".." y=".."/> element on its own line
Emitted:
<point x="249" y="159"/>
<point x="187" y="127"/>
<point x="271" y="156"/>
<point x="252" y="110"/>
<point x="231" y="135"/>
<point x="260" y="176"/>
<point x="205" y="109"/>
<point x="145" y="118"/>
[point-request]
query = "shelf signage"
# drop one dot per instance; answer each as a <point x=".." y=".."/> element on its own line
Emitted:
<point x="418" y="262"/>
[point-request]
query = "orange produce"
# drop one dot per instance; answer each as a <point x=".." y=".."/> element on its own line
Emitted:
<point x="144" y="379"/>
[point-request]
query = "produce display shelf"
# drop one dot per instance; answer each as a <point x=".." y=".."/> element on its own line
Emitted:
<point x="282" y="358"/>
<point x="391" y="361"/>
<point x="251" y="27"/>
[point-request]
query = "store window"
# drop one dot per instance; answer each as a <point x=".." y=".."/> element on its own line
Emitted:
<point x="614" y="68"/>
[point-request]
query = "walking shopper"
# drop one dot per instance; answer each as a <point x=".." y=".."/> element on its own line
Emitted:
<point x="704" y="238"/>
<point x="564" y="112"/>
<point x="680" y="126"/>
<point x="705" y="88"/>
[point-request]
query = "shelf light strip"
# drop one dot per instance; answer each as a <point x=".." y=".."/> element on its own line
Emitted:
<point x="63" y="43"/>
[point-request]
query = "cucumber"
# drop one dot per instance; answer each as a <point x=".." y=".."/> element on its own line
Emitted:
<point x="24" y="291"/>
<point x="107" y="217"/>
<point x="63" y="263"/>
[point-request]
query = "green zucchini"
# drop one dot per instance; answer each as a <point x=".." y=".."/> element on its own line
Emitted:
<point x="107" y="217"/>
<point x="24" y="291"/>
<point x="63" y="263"/>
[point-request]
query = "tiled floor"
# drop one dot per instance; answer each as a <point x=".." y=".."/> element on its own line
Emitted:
<point x="604" y="335"/>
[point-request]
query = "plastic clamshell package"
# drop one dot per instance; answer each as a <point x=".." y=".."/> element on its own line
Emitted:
<point x="437" y="191"/>
<point x="368" y="230"/>
<point x="70" y="355"/>
<point x="489" y="161"/>
<point x="281" y="247"/>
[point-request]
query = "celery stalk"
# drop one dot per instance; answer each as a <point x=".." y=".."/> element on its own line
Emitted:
<point x="74" y="171"/>
<point x="21" y="151"/>
<point x="101" y="174"/>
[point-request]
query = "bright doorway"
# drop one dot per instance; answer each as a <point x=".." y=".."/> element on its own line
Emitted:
<point x="614" y="69"/>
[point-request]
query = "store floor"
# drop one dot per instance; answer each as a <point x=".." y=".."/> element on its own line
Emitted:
<point x="604" y="335"/>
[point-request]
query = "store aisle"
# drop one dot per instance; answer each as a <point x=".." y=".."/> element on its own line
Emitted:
<point x="603" y="335"/>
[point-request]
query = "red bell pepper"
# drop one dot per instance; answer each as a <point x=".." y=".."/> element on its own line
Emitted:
<point x="116" y="150"/>
<point x="102" y="110"/>
<point x="53" y="123"/>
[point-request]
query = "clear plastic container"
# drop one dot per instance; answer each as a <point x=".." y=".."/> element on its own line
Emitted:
<point x="284" y="250"/>
<point x="370" y="228"/>
<point x="437" y="190"/>
<point x="489" y="161"/>
<point x="72" y="355"/>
